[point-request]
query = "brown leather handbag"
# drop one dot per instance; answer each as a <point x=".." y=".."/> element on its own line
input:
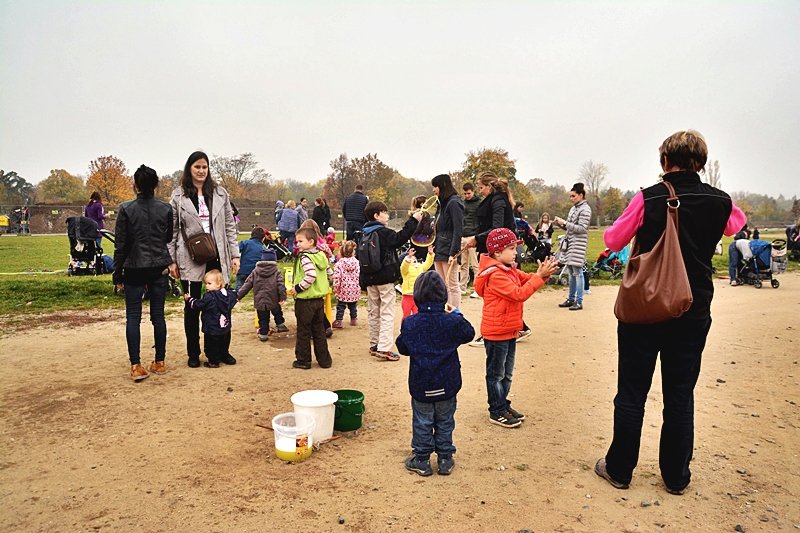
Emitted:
<point x="655" y="287"/>
<point x="201" y="246"/>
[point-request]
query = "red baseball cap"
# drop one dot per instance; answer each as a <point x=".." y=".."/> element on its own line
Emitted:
<point x="499" y="239"/>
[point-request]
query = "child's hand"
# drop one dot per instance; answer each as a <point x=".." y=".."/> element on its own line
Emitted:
<point x="547" y="267"/>
<point x="282" y="302"/>
<point x="412" y="252"/>
<point x="186" y="296"/>
<point x="430" y="249"/>
<point x="290" y="292"/>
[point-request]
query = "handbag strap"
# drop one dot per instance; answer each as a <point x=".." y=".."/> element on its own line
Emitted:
<point x="672" y="210"/>
<point x="180" y="219"/>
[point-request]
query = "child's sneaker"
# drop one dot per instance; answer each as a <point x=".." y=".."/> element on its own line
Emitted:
<point x="524" y="334"/>
<point x="300" y="364"/>
<point x="386" y="356"/>
<point x="419" y="465"/>
<point x="262" y="337"/>
<point x="353" y="322"/>
<point x="138" y="373"/>
<point x="281" y="328"/>
<point x="373" y="349"/>
<point x="477" y="342"/>
<point x="328" y="332"/>
<point x="516" y="414"/>
<point x="506" y="420"/>
<point x="445" y="464"/>
<point x="337" y="324"/>
<point x="228" y="359"/>
<point x="158" y="367"/>
<point x="211" y="364"/>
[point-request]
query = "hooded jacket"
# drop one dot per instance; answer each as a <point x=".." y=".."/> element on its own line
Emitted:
<point x="504" y="290"/>
<point x="345" y="279"/>
<point x="432" y="338"/>
<point x="216" y="307"/>
<point x="267" y="284"/>
<point x="390" y="241"/>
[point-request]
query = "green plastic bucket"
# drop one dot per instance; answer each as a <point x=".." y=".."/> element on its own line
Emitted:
<point x="349" y="408"/>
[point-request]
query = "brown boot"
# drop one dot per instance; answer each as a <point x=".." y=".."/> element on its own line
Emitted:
<point x="337" y="324"/>
<point x="138" y="373"/>
<point x="353" y="322"/>
<point x="158" y="367"/>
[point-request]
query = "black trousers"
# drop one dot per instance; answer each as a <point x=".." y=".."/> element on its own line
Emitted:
<point x="310" y="314"/>
<point x="681" y="343"/>
<point x="216" y="346"/>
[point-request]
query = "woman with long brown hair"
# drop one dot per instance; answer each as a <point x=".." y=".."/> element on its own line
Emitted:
<point x="200" y="205"/>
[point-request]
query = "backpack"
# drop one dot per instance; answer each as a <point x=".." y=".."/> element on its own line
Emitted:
<point x="369" y="252"/>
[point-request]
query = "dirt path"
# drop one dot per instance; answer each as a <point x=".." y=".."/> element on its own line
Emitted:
<point x="84" y="448"/>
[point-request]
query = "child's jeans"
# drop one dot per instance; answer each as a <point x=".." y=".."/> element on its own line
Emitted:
<point x="499" y="371"/>
<point x="341" y="306"/>
<point x="408" y="305"/>
<point x="263" y="318"/>
<point x="432" y="427"/>
<point x="217" y="346"/>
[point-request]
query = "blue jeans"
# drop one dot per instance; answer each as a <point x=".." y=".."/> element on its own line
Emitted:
<point x="288" y="236"/>
<point x="133" y="317"/>
<point x="341" y="306"/>
<point x="499" y="371"/>
<point x="733" y="260"/>
<point x="575" y="283"/>
<point x="432" y="427"/>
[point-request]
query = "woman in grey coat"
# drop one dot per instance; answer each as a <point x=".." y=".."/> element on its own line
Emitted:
<point x="200" y="205"/>
<point x="576" y="241"/>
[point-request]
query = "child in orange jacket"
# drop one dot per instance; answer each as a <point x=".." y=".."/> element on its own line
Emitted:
<point x="504" y="289"/>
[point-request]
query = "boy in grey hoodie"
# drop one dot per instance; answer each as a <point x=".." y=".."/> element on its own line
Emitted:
<point x="269" y="293"/>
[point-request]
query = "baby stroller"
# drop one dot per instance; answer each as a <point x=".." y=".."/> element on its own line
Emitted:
<point x="532" y="248"/>
<point x="758" y="269"/>
<point x="85" y="257"/>
<point x="793" y="241"/>
<point x="281" y="251"/>
<point x="613" y="262"/>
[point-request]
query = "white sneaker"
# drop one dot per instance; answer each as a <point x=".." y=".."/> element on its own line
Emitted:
<point x="477" y="342"/>
<point x="474" y="295"/>
<point x="587" y="291"/>
<point x="524" y="334"/>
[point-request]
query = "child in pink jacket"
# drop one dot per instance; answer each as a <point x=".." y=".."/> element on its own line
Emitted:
<point x="345" y="284"/>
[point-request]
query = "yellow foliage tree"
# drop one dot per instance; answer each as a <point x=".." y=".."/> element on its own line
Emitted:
<point x="61" y="186"/>
<point x="109" y="176"/>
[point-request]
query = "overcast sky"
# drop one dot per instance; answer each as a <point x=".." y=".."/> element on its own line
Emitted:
<point x="420" y="83"/>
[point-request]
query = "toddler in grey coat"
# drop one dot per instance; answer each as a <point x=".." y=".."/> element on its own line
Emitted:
<point x="269" y="293"/>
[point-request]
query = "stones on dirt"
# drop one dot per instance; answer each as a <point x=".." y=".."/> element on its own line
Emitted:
<point x="739" y="528"/>
<point x="230" y="389"/>
<point x="720" y="380"/>
<point x="646" y="503"/>
<point x="340" y="519"/>
<point x="741" y="471"/>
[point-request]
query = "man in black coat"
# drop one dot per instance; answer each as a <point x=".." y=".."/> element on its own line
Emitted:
<point x="353" y="211"/>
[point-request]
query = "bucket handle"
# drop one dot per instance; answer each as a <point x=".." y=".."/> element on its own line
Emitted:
<point x="340" y="408"/>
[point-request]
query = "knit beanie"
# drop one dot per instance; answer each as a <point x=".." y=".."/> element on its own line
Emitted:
<point x="269" y="255"/>
<point x="429" y="288"/>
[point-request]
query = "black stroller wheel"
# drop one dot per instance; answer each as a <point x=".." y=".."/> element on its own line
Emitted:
<point x="775" y="283"/>
<point x="757" y="284"/>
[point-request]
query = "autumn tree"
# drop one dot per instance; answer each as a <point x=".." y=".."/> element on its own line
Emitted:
<point x="498" y="161"/>
<point x="14" y="189"/>
<point x="614" y="203"/>
<point x="238" y="173"/>
<point x="594" y="175"/>
<point x="61" y="187"/>
<point x="167" y="183"/>
<point x="109" y="176"/>
<point x="340" y="182"/>
<point x="713" y="176"/>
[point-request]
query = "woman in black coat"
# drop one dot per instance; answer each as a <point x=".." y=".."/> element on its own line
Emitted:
<point x="318" y="215"/>
<point x="141" y="262"/>
<point x="449" y="226"/>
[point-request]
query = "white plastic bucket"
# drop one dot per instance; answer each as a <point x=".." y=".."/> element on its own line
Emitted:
<point x="293" y="436"/>
<point x="320" y="405"/>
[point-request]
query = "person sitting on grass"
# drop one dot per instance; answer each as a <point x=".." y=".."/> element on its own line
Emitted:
<point x="216" y="306"/>
<point x="431" y="338"/>
<point x="504" y="288"/>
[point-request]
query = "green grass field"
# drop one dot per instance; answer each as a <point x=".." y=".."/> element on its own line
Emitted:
<point x="30" y="281"/>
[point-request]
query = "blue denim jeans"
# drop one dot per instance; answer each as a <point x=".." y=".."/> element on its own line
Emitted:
<point x="432" y="427"/>
<point x="576" y="282"/>
<point x="733" y="260"/>
<point x="499" y="371"/>
<point x="133" y="317"/>
<point x="288" y="236"/>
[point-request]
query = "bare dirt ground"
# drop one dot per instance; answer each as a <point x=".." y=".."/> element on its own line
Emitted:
<point x="86" y="449"/>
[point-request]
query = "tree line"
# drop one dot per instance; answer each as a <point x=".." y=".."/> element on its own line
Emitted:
<point x="250" y="185"/>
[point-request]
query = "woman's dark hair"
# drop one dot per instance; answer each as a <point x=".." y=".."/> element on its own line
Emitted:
<point x="445" y="185"/>
<point x="186" y="181"/>
<point x="429" y="288"/>
<point x="146" y="181"/>
<point x="518" y="206"/>
<point x="95" y="197"/>
<point x="578" y="189"/>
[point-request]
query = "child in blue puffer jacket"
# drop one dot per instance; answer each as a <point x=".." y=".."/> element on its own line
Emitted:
<point x="432" y="338"/>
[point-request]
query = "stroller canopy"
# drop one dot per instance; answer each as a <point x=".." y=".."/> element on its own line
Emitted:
<point x="81" y="228"/>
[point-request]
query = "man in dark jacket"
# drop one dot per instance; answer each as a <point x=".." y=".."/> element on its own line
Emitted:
<point x="470" y="258"/>
<point x="380" y="285"/>
<point x="353" y="211"/>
